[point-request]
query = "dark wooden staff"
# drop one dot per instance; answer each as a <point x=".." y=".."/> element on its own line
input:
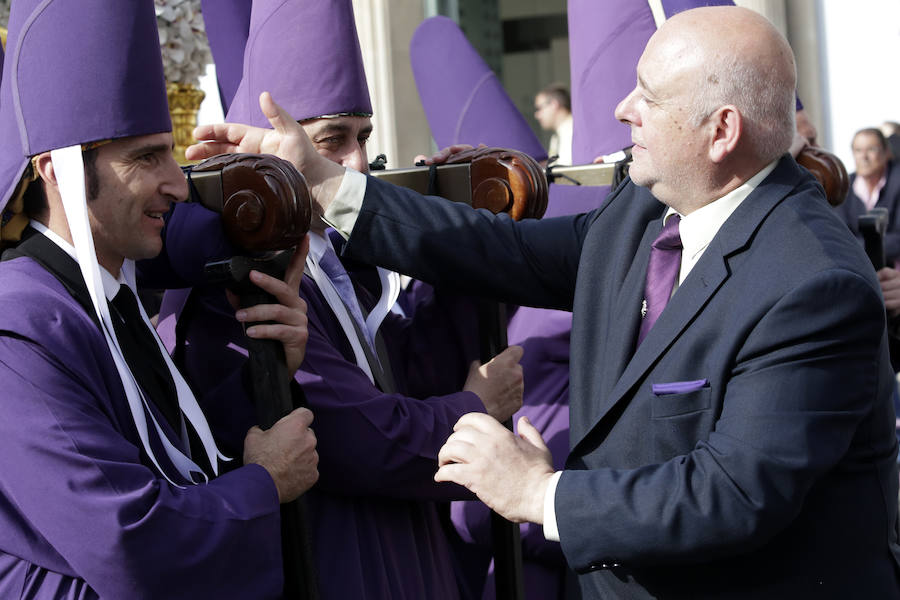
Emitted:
<point x="265" y="206"/>
<point x="501" y="181"/>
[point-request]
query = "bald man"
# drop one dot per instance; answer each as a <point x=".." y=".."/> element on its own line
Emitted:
<point x="731" y="423"/>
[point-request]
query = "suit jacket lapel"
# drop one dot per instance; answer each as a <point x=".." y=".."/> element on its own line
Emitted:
<point x="707" y="276"/>
<point x="627" y="311"/>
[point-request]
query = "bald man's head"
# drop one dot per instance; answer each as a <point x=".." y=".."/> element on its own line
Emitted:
<point x="741" y="59"/>
<point x="714" y="103"/>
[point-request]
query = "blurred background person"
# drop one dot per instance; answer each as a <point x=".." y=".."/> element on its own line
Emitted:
<point x="553" y="110"/>
<point x="876" y="183"/>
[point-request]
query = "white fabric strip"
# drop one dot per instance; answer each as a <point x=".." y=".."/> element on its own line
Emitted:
<point x="390" y="291"/>
<point x="317" y="245"/>
<point x="69" y="169"/>
<point x="188" y="404"/>
<point x="659" y="15"/>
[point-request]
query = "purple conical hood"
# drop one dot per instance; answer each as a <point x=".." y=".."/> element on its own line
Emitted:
<point x="227" y="24"/>
<point x="671" y="7"/>
<point x="606" y="40"/>
<point x="306" y="53"/>
<point x="464" y="101"/>
<point x="77" y="72"/>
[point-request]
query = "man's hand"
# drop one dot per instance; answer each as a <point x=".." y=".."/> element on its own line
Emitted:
<point x="890" y="288"/>
<point x="507" y="472"/>
<point x="498" y="383"/>
<point x="287" y="451"/>
<point x="289" y="316"/>
<point x="444" y="154"/>
<point x="286" y="140"/>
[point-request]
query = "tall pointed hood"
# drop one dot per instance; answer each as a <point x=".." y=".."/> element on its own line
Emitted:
<point x="464" y="101"/>
<point x="227" y="24"/>
<point x="306" y="53"/>
<point x="76" y="72"/>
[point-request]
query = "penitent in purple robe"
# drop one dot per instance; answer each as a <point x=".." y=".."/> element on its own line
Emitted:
<point x="83" y="514"/>
<point x="374" y="513"/>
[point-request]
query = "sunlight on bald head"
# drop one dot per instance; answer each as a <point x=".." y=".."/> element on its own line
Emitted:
<point x="729" y="55"/>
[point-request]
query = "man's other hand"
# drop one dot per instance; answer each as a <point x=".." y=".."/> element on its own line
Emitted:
<point x="287" y="451"/>
<point x="508" y="472"/>
<point x="498" y="383"/>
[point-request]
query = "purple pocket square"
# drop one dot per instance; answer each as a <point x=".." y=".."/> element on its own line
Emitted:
<point x="678" y="387"/>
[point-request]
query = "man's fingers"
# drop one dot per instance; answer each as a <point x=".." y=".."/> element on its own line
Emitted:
<point x="276" y="313"/>
<point x="457" y="450"/>
<point x="480" y="422"/>
<point x="278" y="118"/>
<point x="528" y="433"/>
<point x="453" y="472"/>
<point x="302" y="416"/>
<point x="284" y="292"/>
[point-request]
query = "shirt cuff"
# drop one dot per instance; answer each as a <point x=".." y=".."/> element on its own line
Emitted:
<point x="551" y="531"/>
<point x="344" y="209"/>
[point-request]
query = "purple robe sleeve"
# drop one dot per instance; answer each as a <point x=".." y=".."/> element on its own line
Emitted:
<point x="370" y="442"/>
<point x="76" y="499"/>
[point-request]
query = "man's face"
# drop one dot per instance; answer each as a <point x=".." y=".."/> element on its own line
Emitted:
<point x="870" y="156"/>
<point x="544" y="111"/>
<point x="341" y="139"/>
<point x="137" y="180"/>
<point x="658" y="112"/>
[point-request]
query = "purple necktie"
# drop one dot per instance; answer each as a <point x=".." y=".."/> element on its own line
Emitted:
<point x="338" y="275"/>
<point x="662" y="273"/>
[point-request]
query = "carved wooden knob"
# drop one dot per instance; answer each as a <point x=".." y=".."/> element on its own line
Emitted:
<point x="265" y="203"/>
<point x="506" y="181"/>
<point x="829" y="170"/>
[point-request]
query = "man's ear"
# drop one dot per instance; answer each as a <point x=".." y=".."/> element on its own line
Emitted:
<point x="727" y="127"/>
<point x="44" y="167"/>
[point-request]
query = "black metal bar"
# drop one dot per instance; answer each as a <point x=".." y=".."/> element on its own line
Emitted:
<point x="505" y="535"/>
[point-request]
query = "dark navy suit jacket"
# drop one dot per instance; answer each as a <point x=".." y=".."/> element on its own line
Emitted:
<point x="767" y="468"/>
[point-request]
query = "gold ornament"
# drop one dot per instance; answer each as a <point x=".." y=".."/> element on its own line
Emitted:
<point x="184" y="103"/>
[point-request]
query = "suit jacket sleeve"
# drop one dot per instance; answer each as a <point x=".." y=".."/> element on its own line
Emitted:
<point x="473" y="251"/>
<point x="801" y="384"/>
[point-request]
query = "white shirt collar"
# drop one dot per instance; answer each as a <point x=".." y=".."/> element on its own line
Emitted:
<point x="699" y="228"/>
<point x="110" y="283"/>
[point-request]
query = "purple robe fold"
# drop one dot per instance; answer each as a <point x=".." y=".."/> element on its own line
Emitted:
<point x="82" y="511"/>
<point x="374" y="514"/>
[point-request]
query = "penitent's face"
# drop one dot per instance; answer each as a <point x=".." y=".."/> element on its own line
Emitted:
<point x="137" y="179"/>
<point x="341" y="139"/>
